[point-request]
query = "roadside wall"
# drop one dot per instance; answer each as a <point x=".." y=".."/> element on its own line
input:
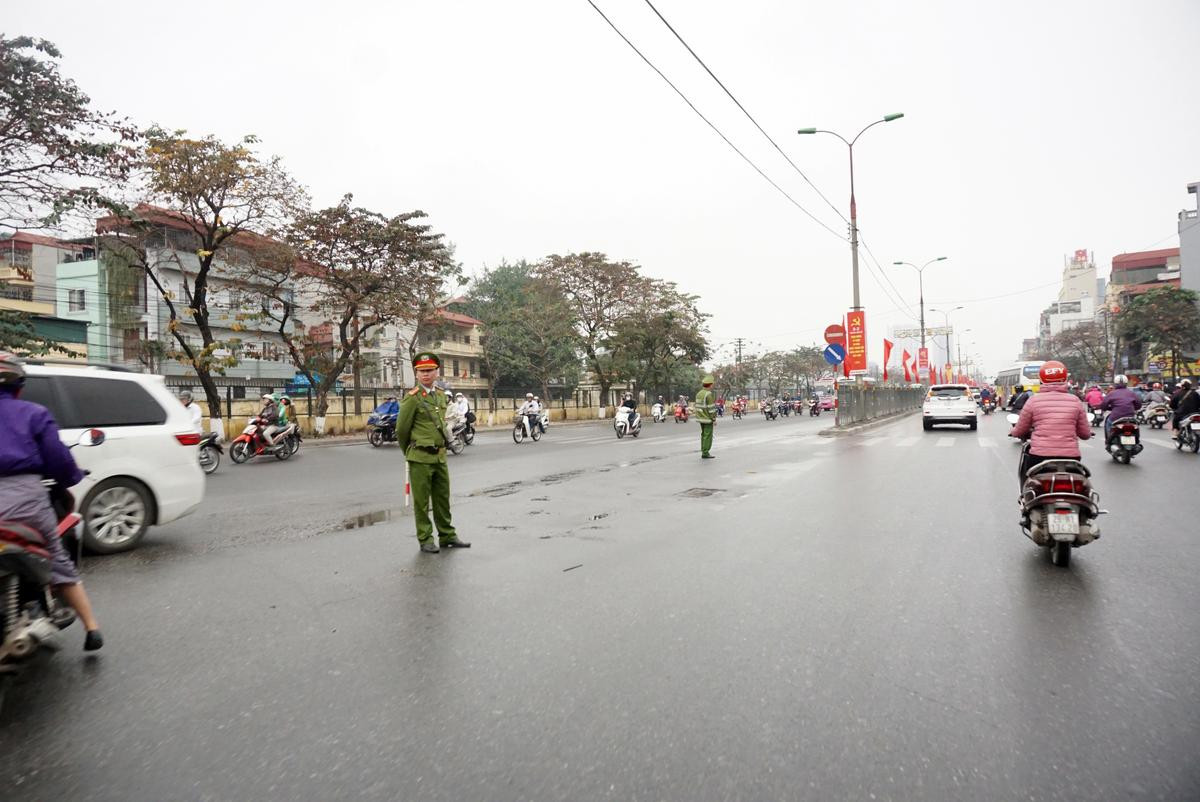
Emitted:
<point x="859" y="404"/>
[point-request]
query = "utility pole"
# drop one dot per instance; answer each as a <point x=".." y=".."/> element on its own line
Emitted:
<point x="739" y="342"/>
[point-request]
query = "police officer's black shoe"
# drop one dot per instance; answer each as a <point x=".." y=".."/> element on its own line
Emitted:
<point x="708" y="456"/>
<point x="93" y="641"/>
<point x="455" y="543"/>
<point x="429" y="547"/>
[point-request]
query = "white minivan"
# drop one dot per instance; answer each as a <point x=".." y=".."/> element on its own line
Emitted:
<point x="146" y="471"/>
<point x="949" y="403"/>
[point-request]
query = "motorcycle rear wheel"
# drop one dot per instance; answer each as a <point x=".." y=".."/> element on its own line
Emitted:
<point x="375" y="438"/>
<point x="210" y="459"/>
<point x="636" y="430"/>
<point x="1195" y="444"/>
<point x="1060" y="553"/>
<point x="536" y="434"/>
<point x="239" y="452"/>
<point x="469" y="435"/>
<point x="283" y="450"/>
<point x="456" y="445"/>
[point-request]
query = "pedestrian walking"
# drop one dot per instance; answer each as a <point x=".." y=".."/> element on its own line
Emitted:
<point x="421" y="433"/>
<point x="706" y="414"/>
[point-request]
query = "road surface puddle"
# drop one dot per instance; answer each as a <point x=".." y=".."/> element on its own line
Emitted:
<point x="367" y="519"/>
<point x="700" y="492"/>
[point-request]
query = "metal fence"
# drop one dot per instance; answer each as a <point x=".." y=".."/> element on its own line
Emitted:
<point x="858" y="404"/>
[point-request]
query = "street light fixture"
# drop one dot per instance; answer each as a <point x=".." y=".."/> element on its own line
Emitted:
<point x="946" y="317"/>
<point x="921" y="284"/>
<point x="887" y="118"/>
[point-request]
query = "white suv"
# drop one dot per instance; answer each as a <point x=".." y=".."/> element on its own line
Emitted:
<point x="145" y="472"/>
<point x="949" y="403"/>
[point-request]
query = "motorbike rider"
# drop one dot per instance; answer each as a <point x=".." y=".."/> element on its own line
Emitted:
<point x="1021" y="397"/>
<point x="629" y="403"/>
<point x="1121" y="402"/>
<point x="30" y="449"/>
<point x="1185" y="402"/>
<point x="1094" y="397"/>
<point x="985" y="395"/>
<point x="529" y="411"/>
<point x="193" y="409"/>
<point x="1052" y="420"/>
<point x="463" y="407"/>
<point x="1156" y="395"/>
<point x="390" y="406"/>
<point x="269" y="418"/>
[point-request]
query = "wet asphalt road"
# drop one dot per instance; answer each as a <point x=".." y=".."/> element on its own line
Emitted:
<point x="840" y="618"/>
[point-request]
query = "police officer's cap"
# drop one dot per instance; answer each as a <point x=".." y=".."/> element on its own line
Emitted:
<point x="426" y="359"/>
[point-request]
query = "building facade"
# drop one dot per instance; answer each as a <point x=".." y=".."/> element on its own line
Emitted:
<point x="1189" y="242"/>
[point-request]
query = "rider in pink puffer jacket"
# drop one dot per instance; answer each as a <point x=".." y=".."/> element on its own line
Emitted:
<point x="1053" y="419"/>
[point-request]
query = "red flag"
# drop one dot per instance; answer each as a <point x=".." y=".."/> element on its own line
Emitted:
<point x="904" y="360"/>
<point x="846" y="361"/>
<point x="887" y="353"/>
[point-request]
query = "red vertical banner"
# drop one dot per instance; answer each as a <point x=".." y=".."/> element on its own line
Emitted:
<point x="856" y="342"/>
<point x="904" y="361"/>
<point x="887" y="354"/>
<point x="923" y="366"/>
<point x="948" y="373"/>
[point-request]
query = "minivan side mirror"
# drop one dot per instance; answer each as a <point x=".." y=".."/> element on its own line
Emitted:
<point x="90" y="437"/>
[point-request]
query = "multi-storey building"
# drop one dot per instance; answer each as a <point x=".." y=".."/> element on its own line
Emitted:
<point x="28" y="265"/>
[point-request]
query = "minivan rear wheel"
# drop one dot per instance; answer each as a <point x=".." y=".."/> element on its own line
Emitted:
<point x="116" y="515"/>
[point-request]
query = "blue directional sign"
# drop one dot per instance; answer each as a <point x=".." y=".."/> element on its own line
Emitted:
<point x="834" y="354"/>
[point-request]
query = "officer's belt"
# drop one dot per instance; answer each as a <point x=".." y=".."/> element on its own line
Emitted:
<point x="429" y="449"/>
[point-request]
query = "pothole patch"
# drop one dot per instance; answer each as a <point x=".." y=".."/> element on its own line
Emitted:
<point x="700" y="492"/>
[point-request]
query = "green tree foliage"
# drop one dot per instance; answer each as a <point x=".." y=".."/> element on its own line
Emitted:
<point x="1164" y="319"/>
<point x="56" y="153"/>
<point x="663" y="332"/>
<point x="1086" y="350"/>
<point x="18" y="335"/>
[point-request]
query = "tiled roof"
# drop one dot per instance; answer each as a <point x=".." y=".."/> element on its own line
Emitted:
<point x="1130" y="261"/>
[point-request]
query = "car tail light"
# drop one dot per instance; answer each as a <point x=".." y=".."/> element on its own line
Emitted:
<point x="188" y="439"/>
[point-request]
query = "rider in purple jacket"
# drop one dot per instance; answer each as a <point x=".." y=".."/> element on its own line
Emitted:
<point x="1121" y="402"/>
<point x="31" y="450"/>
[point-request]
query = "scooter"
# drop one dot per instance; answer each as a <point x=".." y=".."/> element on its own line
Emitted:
<point x="988" y="406"/>
<point x="814" y="408"/>
<point x="1157" y="416"/>
<point x="1188" y="435"/>
<point x="1096" y="417"/>
<point x="30" y="615"/>
<point x="522" y="428"/>
<point x="1059" y="508"/>
<point x="768" y="410"/>
<point x="658" y="413"/>
<point x="250" y="443"/>
<point x="681" y="413"/>
<point x="1125" y="442"/>
<point x="737" y="412"/>
<point x="210" y="452"/>
<point x="621" y="423"/>
<point x="381" y="429"/>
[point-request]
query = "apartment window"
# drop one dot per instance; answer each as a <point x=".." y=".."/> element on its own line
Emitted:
<point x="456" y="368"/>
<point x="467" y="339"/>
<point x="472" y="367"/>
<point x="131" y="341"/>
<point x="75" y="301"/>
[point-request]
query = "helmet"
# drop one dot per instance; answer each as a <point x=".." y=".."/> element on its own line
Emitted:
<point x="1053" y="371"/>
<point x="1157" y="386"/>
<point x="12" y="369"/>
<point x="1120" y="380"/>
<point x="268" y="397"/>
<point x="1184" y="383"/>
<point x="185" y="396"/>
<point x="529" y="395"/>
<point x="458" y="395"/>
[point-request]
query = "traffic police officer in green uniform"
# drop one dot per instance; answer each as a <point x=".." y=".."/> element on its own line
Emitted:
<point x="706" y="414"/>
<point x="421" y="432"/>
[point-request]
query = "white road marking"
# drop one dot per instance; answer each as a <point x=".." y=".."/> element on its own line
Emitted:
<point x="945" y="442"/>
<point x="986" y="442"/>
<point x="905" y="442"/>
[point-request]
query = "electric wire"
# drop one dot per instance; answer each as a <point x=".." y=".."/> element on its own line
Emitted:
<point x="711" y="125"/>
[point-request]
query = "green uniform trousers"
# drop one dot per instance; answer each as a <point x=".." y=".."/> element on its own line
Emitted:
<point x="431" y="482"/>
<point x="706" y="432"/>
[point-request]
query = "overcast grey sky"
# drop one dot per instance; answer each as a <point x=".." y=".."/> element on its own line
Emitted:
<point x="523" y="128"/>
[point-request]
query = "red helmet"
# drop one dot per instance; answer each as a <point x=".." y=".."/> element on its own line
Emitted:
<point x="1053" y="371"/>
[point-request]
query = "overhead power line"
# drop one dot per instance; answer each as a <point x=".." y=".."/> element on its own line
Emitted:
<point x="749" y="116"/>
<point x="710" y="124"/>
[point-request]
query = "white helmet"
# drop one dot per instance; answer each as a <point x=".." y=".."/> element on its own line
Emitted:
<point x="529" y="395"/>
<point x="1120" y="378"/>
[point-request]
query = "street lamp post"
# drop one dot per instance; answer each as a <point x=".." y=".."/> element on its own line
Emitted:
<point x="853" y="206"/>
<point x="921" y="285"/>
<point x="945" y="313"/>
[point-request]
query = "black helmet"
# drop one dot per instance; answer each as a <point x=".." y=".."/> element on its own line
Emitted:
<point x="12" y="370"/>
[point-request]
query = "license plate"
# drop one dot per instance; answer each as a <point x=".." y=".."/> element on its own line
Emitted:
<point x="1196" y="427"/>
<point x="1128" y="441"/>
<point x="1063" y="524"/>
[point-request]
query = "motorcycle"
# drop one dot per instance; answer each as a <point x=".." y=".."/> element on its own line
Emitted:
<point x="1096" y="417"/>
<point x="250" y="443"/>
<point x="737" y="411"/>
<point x="784" y="408"/>
<point x="768" y="410"/>
<point x="681" y="413"/>
<point x="1189" y="434"/>
<point x="1059" y="508"/>
<point x="30" y="615"/>
<point x="210" y="452"/>
<point x="524" y="428"/>
<point x="814" y="408"/>
<point x="1125" y="442"/>
<point x="381" y="429"/>
<point x="621" y="423"/>
<point x="1157" y="416"/>
<point x="658" y="413"/>
<point x="989" y="406"/>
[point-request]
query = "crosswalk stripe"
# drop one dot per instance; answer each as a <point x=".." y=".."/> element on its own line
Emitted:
<point x="905" y="442"/>
<point x="945" y="442"/>
<point x="986" y="442"/>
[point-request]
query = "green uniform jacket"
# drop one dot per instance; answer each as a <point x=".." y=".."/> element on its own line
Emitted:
<point x="706" y="407"/>
<point x="420" y="423"/>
